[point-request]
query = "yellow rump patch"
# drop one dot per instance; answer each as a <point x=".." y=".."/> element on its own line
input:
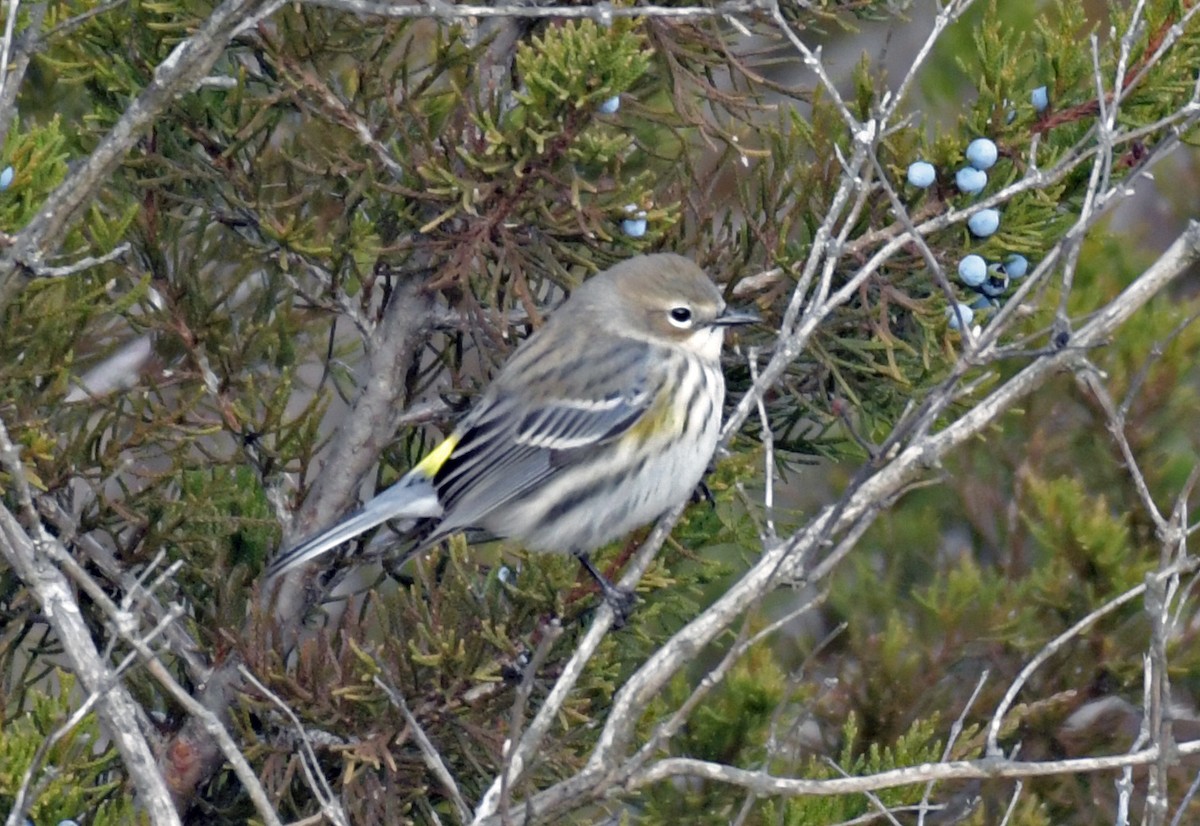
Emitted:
<point x="432" y="463"/>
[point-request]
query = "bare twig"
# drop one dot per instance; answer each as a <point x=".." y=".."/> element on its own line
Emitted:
<point x="955" y="732"/>
<point x="520" y="755"/>
<point x="10" y="25"/>
<point x="190" y="61"/>
<point x="1012" y="802"/>
<point x="432" y="758"/>
<point x="27" y="791"/>
<point x="78" y="266"/>
<point x="10" y="86"/>
<point x="871" y="796"/>
<point x="983" y="769"/>
<point x="317" y="782"/>
<point x="602" y="12"/>
<point x="551" y="631"/>
<point x="26" y="553"/>
<point x="1055" y="645"/>
<point x="1184" y="804"/>
<point x="767" y="438"/>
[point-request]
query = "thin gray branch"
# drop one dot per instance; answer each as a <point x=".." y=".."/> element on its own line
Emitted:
<point x="433" y="760"/>
<point x="955" y="732"/>
<point x="181" y="643"/>
<point x="985" y="769"/>
<point x="585" y="649"/>
<point x="10" y="25"/>
<point x="602" y="12"/>
<point x="551" y="631"/>
<point x="79" y="265"/>
<point x="26" y="553"/>
<point x="317" y="782"/>
<point x="187" y="64"/>
<point x="10" y="85"/>
<point x="1050" y="649"/>
<point x="28" y="789"/>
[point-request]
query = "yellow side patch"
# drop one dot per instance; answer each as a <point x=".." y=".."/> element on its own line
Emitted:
<point x="660" y="419"/>
<point x="432" y="463"/>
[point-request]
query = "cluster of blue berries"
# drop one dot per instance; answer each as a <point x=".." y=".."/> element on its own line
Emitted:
<point x="6" y="178"/>
<point x="981" y="156"/>
<point x="988" y="280"/>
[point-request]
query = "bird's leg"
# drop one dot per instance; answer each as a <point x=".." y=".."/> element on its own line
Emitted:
<point x="702" y="492"/>
<point x="620" y="600"/>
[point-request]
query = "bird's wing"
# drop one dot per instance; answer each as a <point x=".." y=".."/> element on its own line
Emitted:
<point x="567" y="424"/>
<point x="512" y="447"/>
<point x="504" y="448"/>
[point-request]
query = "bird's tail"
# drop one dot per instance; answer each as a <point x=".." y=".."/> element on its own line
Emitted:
<point x="413" y="497"/>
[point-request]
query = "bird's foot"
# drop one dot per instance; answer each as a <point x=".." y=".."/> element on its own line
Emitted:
<point x="618" y="599"/>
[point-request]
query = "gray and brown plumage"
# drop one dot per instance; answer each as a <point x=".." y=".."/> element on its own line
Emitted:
<point x="601" y="421"/>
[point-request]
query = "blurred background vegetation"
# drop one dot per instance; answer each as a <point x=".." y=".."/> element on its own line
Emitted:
<point x="267" y="233"/>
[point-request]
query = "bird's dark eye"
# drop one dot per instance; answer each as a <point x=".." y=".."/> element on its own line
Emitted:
<point x="681" y="317"/>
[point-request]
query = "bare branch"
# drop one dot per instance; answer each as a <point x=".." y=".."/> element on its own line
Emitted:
<point x="551" y="631"/>
<point x="78" y="266"/>
<point x="432" y="759"/>
<point x="190" y="61"/>
<point x="30" y="560"/>
<point x="985" y="769"/>
<point x="602" y="12"/>
<point x="330" y="807"/>
<point x="955" y="733"/>
<point x="1053" y="647"/>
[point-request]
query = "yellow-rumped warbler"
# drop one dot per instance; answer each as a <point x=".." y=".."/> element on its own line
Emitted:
<point x="601" y="421"/>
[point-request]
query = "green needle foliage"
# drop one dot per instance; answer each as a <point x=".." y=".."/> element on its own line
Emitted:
<point x="331" y="164"/>
<point x="79" y="769"/>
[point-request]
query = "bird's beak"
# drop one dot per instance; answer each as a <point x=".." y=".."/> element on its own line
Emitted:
<point x="732" y="318"/>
